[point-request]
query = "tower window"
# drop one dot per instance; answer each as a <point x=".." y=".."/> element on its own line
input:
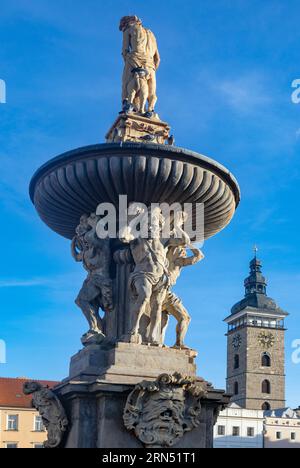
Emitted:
<point x="236" y="361"/>
<point x="266" y="387"/>
<point x="266" y="360"/>
<point x="236" y="388"/>
<point x="266" y="407"/>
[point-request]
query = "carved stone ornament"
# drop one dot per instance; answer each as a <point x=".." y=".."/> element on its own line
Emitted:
<point x="51" y="410"/>
<point x="161" y="412"/>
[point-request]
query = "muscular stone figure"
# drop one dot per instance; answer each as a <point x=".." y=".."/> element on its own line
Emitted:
<point x="172" y="304"/>
<point x="139" y="51"/>
<point x="148" y="282"/>
<point x="96" y="291"/>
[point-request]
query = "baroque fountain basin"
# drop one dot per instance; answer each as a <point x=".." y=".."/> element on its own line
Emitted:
<point x="76" y="182"/>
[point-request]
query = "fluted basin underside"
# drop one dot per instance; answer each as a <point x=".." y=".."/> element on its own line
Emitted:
<point x="76" y="182"/>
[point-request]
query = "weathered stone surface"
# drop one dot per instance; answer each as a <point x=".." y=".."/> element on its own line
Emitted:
<point x="138" y="129"/>
<point x="141" y="61"/>
<point x="256" y="329"/>
<point x="95" y="411"/>
<point x="144" y="172"/>
<point x="161" y="412"/>
<point x="51" y="410"/>
<point x="251" y="374"/>
<point x="130" y="363"/>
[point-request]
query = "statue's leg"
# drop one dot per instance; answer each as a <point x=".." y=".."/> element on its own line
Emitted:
<point x="143" y="95"/>
<point x="95" y="306"/>
<point x="86" y="302"/>
<point x="165" y="318"/>
<point x="177" y="309"/>
<point x="127" y="75"/>
<point x="90" y="313"/>
<point x="155" y="328"/>
<point x="132" y="91"/>
<point x="152" y="90"/>
<point x="139" y="307"/>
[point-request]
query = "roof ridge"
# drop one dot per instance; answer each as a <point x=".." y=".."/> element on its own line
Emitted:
<point x="27" y="378"/>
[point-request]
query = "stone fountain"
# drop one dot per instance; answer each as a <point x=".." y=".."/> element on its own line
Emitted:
<point x="126" y="388"/>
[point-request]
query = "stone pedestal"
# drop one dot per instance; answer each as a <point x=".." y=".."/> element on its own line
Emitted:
<point x="136" y="128"/>
<point x="127" y="363"/>
<point x="95" y="413"/>
<point x="96" y="394"/>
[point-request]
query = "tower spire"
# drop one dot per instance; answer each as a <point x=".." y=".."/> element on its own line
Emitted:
<point x="255" y="283"/>
<point x="255" y="249"/>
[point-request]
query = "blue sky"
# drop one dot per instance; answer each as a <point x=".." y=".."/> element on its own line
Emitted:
<point x="225" y="87"/>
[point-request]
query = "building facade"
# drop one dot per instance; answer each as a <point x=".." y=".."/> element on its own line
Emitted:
<point x="256" y="347"/>
<point x="282" y="429"/>
<point x="20" y="425"/>
<point x="239" y="428"/>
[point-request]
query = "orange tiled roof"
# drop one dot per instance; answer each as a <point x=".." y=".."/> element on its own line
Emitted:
<point x="11" y="392"/>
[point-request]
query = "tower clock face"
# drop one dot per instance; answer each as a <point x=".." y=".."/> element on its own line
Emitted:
<point x="266" y="340"/>
<point x="236" y="342"/>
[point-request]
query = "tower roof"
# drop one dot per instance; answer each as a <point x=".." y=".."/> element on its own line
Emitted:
<point x="256" y="292"/>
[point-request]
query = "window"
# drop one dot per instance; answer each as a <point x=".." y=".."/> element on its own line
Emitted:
<point x="38" y="424"/>
<point x="12" y="446"/>
<point x="293" y="436"/>
<point x="266" y="360"/>
<point x="236" y="388"/>
<point x="278" y="435"/>
<point x="236" y="361"/>
<point x="266" y="387"/>
<point x="266" y="407"/>
<point x="12" y="422"/>
<point x="250" y="432"/>
<point x="235" y="431"/>
<point x="221" y="430"/>
<point x="38" y="446"/>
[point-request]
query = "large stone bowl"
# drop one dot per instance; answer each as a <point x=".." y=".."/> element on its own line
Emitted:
<point x="76" y="182"/>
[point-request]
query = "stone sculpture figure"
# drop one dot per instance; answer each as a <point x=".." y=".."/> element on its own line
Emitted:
<point x="161" y="412"/>
<point x="149" y="280"/>
<point x="96" y="291"/>
<point x="137" y="91"/>
<point x="177" y="259"/>
<point x="140" y="53"/>
<point x="51" y="410"/>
